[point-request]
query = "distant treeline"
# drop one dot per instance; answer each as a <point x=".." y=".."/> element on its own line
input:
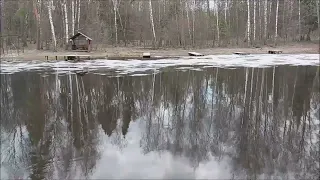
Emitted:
<point x="159" y="23"/>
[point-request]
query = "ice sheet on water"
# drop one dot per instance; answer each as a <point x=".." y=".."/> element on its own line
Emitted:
<point x="132" y="66"/>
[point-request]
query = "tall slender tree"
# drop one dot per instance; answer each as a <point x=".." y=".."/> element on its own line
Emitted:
<point x="318" y="13"/>
<point x="79" y="14"/>
<point x="248" y="22"/>
<point x="73" y="15"/>
<point x="1" y="26"/>
<point x="64" y="4"/>
<point x="299" y="15"/>
<point x="152" y="23"/>
<point x="277" y="17"/>
<point x="115" y="6"/>
<point x="50" y="5"/>
<point x="254" y="19"/>
<point x="265" y="20"/>
<point x="217" y="21"/>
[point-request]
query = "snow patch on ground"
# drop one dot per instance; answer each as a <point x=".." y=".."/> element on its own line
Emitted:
<point x="132" y="66"/>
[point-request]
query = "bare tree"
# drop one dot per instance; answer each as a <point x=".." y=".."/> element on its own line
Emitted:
<point x="248" y="22"/>
<point x="115" y="5"/>
<point x="299" y="15"/>
<point x="37" y="13"/>
<point x="265" y="19"/>
<point x="254" y="19"/>
<point x="318" y="13"/>
<point x="152" y="23"/>
<point x="193" y="20"/>
<point x="50" y="4"/>
<point x="78" y="18"/>
<point x="1" y="26"/>
<point x="217" y="21"/>
<point x="225" y="10"/>
<point x="277" y="16"/>
<point x="188" y="20"/>
<point x="64" y="4"/>
<point x="72" y="15"/>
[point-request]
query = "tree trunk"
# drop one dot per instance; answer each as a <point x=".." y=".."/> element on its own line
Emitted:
<point x="318" y="13"/>
<point x="1" y="26"/>
<point x="284" y="27"/>
<point x="152" y="23"/>
<point x="36" y="6"/>
<point x="260" y="20"/>
<point x="254" y="20"/>
<point x="188" y="20"/>
<point x="78" y="18"/>
<point x="193" y="20"/>
<point x="299" y="25"/>
<point x="269" y="17"/>
<point x="290" y="19"/>
<point x="237" y="22"/>
<point x="217" y="22"/>
<point x="248" y="22"/>
<point x="66" y="21"/>
<point x="208" y="20"/>
<point x="115" y="4"/>
<point x="50" y="4"/>
<point x="225" y="10"/>
<point x="277" y="16"/>
<point x="265" y="20"/>
<point x="72" y="13"/>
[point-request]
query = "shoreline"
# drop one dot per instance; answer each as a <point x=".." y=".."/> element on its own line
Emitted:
<point x="124" y="53"/>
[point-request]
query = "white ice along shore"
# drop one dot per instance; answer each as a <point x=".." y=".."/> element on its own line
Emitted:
<point x="132" y="66"/>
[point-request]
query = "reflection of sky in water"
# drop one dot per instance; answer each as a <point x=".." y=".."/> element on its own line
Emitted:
<point x="131" y="162"/>
<point x="124" y="159"/>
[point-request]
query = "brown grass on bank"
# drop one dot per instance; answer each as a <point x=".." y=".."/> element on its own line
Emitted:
<point x="293" y="48"/>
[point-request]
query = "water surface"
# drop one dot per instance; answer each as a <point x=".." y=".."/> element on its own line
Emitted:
<point x="172" y="121"/>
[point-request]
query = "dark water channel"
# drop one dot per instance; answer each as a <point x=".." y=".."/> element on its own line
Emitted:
<point x="214" y="123"/>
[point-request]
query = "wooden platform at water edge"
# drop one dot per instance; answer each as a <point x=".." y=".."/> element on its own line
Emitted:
<point x="81" y="57"/>
<point x="74" y="57"/>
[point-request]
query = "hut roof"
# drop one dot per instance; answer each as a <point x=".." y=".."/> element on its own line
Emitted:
<point x="78" y="34"/>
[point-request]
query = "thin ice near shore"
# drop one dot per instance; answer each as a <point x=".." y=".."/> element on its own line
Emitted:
<point x="134" y="66"/>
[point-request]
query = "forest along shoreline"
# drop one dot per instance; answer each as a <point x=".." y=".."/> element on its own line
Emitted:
<point x="132" y="52"/>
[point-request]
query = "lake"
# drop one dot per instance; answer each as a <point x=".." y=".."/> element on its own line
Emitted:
<point x="214" y="117"/>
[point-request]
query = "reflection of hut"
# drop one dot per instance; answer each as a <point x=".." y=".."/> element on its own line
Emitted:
<point x="80" y="42"/>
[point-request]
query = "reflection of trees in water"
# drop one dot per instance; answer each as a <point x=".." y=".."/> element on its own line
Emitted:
<point x="259" y="117"/>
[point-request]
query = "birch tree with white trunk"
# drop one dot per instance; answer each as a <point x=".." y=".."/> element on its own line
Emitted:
<point x="217" y="21"/>
<point x="248" y="22"/>
<point x="73" y="19"/>
<point x="188" y="19"/>
<point x="64" y="4"/>
<point x="254" y="19"/>
<point x="299" y="16"/>
<point x="225" y="10"/>
<point x="260" y="19"/>
<point x="265" y="19"/>
<point x="115" y="4"/>
<point x="277" y="16"/>
<point x="78" y="18"/>
<point x="193" y="20"/>
<point x="50" y="5"/>
<point x="152" y="23"/>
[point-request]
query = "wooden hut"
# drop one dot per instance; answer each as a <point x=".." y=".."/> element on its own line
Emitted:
<point x="80" y="42"/>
